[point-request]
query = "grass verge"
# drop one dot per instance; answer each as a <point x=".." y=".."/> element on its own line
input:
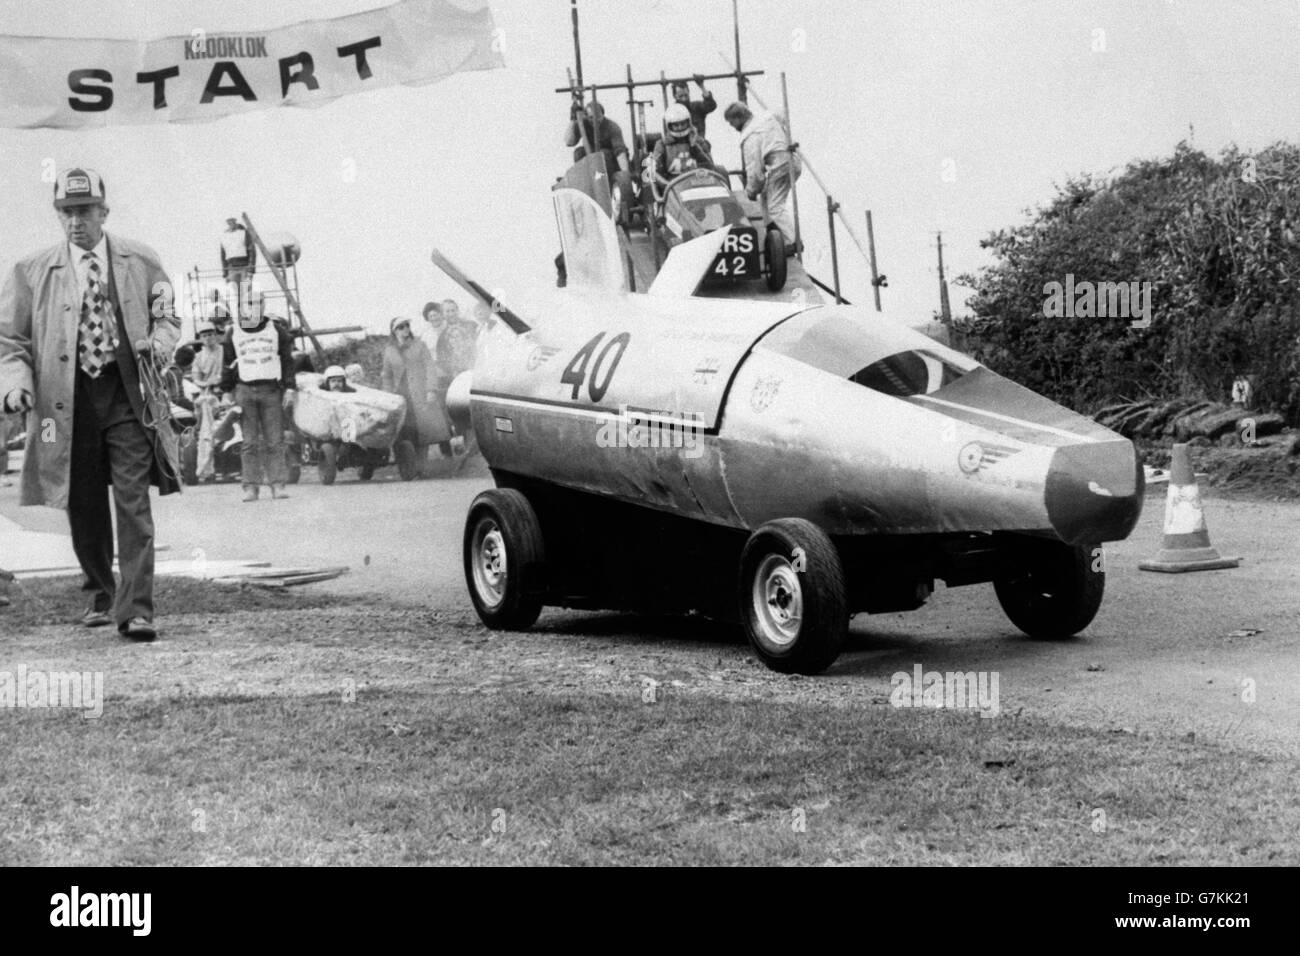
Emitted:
<point x="529" y="776"/>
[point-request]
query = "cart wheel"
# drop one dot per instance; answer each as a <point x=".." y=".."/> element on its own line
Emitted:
<point x="503" y="552"/>
<point x="405" y="460"/>
<point x="774" y="249"/>
<point x="367" y="471"/>
<point x="328" y="466"/>
<point x="792" y="596"/>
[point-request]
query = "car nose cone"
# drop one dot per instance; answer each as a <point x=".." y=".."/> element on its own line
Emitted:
<point x="1094" y="491"/>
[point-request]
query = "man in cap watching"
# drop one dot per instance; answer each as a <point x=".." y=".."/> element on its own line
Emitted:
<point x="79" y="321"/>
<point x="698" y="109"/>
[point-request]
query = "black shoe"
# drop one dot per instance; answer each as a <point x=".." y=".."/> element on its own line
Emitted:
<point x="139" y="629"/>
<point x="93" y="618"/>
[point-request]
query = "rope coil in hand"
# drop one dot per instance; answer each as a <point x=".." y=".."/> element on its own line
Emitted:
<point x="157" y="415"/>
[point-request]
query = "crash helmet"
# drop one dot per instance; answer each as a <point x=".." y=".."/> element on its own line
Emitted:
<point x="332" y="373"/>
<point x="677" y="123"/>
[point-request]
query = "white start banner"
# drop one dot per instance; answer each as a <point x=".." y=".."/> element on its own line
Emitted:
<point x="77" y="83"/>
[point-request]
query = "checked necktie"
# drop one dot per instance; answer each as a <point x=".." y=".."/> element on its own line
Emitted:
<point x="96" y="345"/>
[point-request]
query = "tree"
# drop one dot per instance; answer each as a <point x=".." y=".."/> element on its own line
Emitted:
<point x="1215" y="240"/>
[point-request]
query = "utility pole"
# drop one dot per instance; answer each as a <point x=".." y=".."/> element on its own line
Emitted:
<point x="945" y="311"/>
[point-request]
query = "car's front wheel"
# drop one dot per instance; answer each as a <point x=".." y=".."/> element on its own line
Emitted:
<point x="1051" y="590"/>
<point x="793" y="602"/>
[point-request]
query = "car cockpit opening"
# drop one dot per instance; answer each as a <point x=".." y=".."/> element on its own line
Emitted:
<point x="903" y="374"/>
<point x="872" y="351"/>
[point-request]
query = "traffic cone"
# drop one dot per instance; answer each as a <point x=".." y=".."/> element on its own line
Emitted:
<point x="1186" y="546"/>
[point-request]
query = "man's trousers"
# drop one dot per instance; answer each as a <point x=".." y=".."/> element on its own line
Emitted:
<point x="111" y="448"/>
<point x="262" y="420"/>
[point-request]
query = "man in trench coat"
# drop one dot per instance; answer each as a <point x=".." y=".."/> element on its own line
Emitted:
<point x="408" y="370"/>
<point x="72" y="319"/>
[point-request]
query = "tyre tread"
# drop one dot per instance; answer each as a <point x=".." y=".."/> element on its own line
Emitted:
<point x="1057" y="621"/>
<point x="519" y="526"/>
<point x="825" y="594"/>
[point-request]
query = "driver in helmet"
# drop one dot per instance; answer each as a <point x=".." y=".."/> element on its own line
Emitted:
<point x="681" y="149"/>
<point x="335" y="380"/>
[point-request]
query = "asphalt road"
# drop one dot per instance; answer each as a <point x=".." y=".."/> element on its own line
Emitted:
<point x="1159" y="658"/>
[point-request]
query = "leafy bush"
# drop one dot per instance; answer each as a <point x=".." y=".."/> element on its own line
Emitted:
<point x="1215" y="238"/>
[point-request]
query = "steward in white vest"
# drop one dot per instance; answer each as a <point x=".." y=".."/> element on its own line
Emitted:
<point x="258" y="369"/>
<point x="257" y="353"/>
<point x="260" y="349"/>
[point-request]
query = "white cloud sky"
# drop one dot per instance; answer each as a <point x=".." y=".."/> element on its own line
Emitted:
<point x="883" y="93"/>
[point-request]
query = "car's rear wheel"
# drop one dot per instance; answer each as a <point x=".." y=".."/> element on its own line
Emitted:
<point x="1051" y="590"/>
<point x="774" y="251"/>
<point x="793" y="602"/>
<point x="504" y="554"/>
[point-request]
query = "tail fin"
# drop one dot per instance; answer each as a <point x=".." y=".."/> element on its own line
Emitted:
<point x="688" y="264"/>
